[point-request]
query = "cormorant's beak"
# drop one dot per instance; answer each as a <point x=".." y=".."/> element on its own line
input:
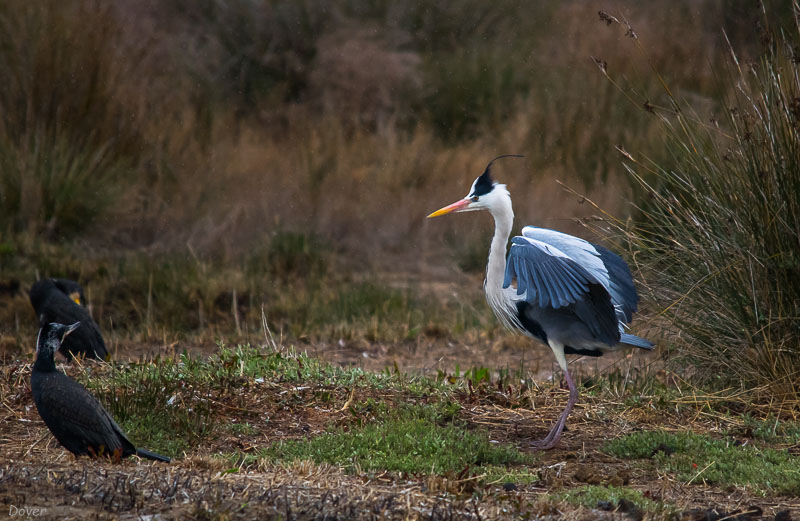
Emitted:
<point x="455" y="207"/>
<point x="76" y="297"/>
<point x="71" y="328"/>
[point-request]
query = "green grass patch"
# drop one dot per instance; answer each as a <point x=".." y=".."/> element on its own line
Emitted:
<point x="591" y="496"/>
<point x="155" y="405"/>
<point x="772" y="430"/>
<point x="164" y="404"/>
<point x="232" y="367"/>
<point x="244" y="429"/>
<point x="695" y="458"/>
<point x="414" y="439"/>
<point x="501" y="474"/>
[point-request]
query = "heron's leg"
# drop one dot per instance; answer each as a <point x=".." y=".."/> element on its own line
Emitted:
<point x="553" y="437"/>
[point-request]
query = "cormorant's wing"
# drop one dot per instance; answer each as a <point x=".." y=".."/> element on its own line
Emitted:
<point x="549" y="278"/>
<point x="78" y="419"/>
<point x="606" y="266"/>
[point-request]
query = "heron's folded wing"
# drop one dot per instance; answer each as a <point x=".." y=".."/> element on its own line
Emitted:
<point x="550" y="279"/>
<point x="620" y="282"/>
<point x="607" y="267"/>
<point x="545" y="274"/>
<point x="582" y="252"/>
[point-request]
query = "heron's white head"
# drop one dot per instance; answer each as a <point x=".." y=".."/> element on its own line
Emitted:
<point x="485" y="194"/>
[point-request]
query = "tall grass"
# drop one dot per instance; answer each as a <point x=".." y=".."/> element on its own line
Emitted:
<point x="718" y="231"/>
<point x="187" y="159"/>
<point x="65" y="140"/>
<point x="215" y="123"/>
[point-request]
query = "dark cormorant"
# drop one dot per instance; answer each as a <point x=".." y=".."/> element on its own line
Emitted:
<point x="59" y="300"/>
<point x="74" y="416"/>
<point x="71" y="289"/>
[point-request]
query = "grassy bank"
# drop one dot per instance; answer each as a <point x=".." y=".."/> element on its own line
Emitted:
<point x="293" y="281"/>
<point x="272" y="419"/>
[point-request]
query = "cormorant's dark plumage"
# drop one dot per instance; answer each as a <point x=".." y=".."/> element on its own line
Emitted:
<point x="71" y="289"/>
<point x="75" y="417"/>
<point x="54" y="301"/>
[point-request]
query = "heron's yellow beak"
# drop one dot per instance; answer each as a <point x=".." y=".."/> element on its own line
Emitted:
<point x="456" y="206"/>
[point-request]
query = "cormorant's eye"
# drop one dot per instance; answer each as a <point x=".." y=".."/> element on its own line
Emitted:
<point x="475" y="198"/>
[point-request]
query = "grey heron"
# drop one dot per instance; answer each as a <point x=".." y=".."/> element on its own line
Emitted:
<point x="572" y="295"/>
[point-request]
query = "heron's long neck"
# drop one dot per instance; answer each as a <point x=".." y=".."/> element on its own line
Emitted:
<point x="495" y="269"/>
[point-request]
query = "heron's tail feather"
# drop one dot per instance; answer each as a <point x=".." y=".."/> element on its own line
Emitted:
<point x="634" y="340"/>
<point x="142" y="453"/>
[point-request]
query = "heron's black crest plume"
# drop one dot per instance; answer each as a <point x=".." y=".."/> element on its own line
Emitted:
<point x="484" y="183"/>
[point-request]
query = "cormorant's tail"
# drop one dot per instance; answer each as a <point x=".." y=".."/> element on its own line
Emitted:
<point x="634" y="340"/>
<point x="151" y="455"/>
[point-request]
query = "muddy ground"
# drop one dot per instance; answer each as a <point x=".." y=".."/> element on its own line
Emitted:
<point x="37" y="473"/>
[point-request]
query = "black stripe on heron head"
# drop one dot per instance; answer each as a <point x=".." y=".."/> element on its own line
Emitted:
<point x="484" y="183"/>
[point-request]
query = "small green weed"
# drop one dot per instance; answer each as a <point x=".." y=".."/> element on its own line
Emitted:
<point x="696" y="458"/>
<point x="476" y="375"/>
<point x="773" y="430"/>
<point x="501" y="474"/>
<point x="242" y="428"/>
<point x="589" y="496"/>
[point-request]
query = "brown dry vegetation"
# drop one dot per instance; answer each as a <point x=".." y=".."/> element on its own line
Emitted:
<point x="157" y="159"/>
<point x="206" y="167"/>
<point x="304" y="133"/>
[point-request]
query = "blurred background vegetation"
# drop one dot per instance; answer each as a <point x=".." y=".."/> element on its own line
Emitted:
<point x="193" y="163"/>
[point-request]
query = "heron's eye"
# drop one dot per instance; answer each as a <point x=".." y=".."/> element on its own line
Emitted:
<point x="475" y="198"/>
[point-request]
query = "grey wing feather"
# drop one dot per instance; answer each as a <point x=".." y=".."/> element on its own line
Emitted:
<point x="546" y="276"/>
<point x="620" y="282"/>
<point x="605" y="266"/>
<point x="582" y="252"/>
<point x="634" y="340"/>
<point x="550" y="279"/>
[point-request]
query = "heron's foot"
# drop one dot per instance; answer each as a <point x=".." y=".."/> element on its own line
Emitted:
<point x="542" y="444"/>
<point x="552" y="438"/>
<point x="545" y="443"/>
